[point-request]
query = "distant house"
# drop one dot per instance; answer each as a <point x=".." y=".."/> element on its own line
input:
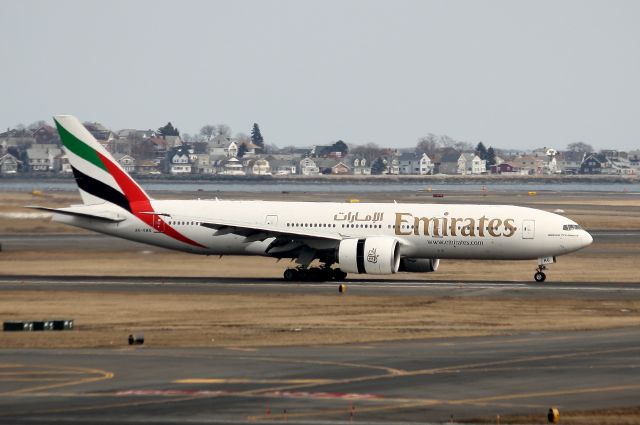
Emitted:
<point x="8" y="164"/>
<point x="259" y="167"/>
<point x="528" y="164"/>
<point x="201" y="163"/>
<point x="47" y="135"/>
<point x="160" y="147"/>
<point x="470" y="163"/>
<point x="233" y="167"/>
<point x="569" y="162"/>
<point x="148" y="166"/>
<point x="604" y="163"/>
<point x="219" y="146"/>
<point x="127" y="162"/>
<point x="340" y="168"/>
<point x="42" y="158"/>
<point x="17" y="138"/>
<point x="180" y="163"/>
<point x="447" y="163"/>
<point x="411" y="163"/>
<point x="392" y="165"/>
<point x="62" y="164"/>
<point x="282" y="165"/>
<point x="634" y="158"/>
<point x="308" y="167"/>
<point x="249" y="149"/>
<point x="133" y="134"/>
<point x="361" y="166"/>
<point x="593" y="164"/>
<point x="503" y="168"/>
<point x="232" y="150"/>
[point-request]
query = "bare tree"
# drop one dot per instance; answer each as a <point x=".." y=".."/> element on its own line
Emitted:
<point x="242" y="139"/>
<point x="370" y="151"/>
<point x="428" y="144"/>
<point x="446" y="141"/>
<point x="270" y="148"/>
<point x="579" y="147"/>
<point x="36" y="125"/>
<point x="208" y="131"/>
<point x="223" y="130"/>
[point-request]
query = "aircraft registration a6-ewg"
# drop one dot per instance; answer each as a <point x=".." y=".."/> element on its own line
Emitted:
<point x="366" y="238"/>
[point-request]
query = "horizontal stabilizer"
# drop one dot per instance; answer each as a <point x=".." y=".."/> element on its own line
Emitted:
<point x="103" y="216"/>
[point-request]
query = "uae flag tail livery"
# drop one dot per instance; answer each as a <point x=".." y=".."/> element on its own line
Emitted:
<point x="99" y="177"/>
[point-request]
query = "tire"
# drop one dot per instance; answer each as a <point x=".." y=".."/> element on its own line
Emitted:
<point x="539" y="277"/>
<point x="290" y="274"/>
<point x="339" y="274"/>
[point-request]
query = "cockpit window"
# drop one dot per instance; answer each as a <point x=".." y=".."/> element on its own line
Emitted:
<point x="571" y="227"/>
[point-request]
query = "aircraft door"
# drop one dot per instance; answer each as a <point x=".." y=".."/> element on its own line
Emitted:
<point x="528" y="229"/>
<point x="271" y="220"/>
<point x="158" y="223"/>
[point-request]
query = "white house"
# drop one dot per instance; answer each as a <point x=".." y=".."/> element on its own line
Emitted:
<point x="361" y="167"/>
<point x="233" y="167"/>
<point x="126" y="161"/>
<point x="308" y="167"/>
<point x="219" y="146"/>
<point x="259" y="167"/>
<point x="470" y="163"/>
<point x="8" y="164"/>
<point x="180" y="163"/>
<point x="42" y="158"/>
<point x="411" y="163"/>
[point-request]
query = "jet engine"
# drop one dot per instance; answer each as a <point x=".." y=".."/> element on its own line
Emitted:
<point x="372" y="255"/>
<point x="419" y="265"/>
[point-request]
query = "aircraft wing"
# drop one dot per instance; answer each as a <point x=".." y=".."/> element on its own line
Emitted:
<point x="302" y="244"/>
<point x="256" y="232"/>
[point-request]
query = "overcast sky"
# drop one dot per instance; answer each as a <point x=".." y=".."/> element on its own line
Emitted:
<point x="514" y="74"/>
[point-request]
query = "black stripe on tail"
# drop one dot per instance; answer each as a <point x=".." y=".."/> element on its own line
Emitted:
<point x="100" y="190"/>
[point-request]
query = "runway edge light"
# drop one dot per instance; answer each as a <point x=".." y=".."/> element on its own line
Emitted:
<point x="553" y="417"/>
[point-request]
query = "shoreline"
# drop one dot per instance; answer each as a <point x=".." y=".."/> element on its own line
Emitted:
<point x="353" y="179"/>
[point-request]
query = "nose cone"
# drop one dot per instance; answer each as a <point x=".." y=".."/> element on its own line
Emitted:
<point x="586" y="239"/>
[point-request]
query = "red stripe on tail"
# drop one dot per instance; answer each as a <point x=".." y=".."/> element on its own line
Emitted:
<point x="140" y="202"/>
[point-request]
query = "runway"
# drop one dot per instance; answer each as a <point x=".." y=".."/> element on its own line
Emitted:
<point x="414" y="381"/>
<point x="53" y="241"/>
<point x="420" y="381"/>
<point x="209" y="285"/>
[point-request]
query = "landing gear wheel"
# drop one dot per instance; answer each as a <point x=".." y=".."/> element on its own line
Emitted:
<point x="539" y="276"/>
<point x="342" y="288"/>
<point x="339" y="274"/>
<point x="290" y="274"/>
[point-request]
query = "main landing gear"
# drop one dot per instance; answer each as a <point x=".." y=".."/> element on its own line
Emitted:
<point x="314" y="274"/>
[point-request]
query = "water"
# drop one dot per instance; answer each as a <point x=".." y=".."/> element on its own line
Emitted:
<point x="333" y="186"/>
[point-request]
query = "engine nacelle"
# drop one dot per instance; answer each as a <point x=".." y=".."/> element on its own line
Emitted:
<point x="373" y="255"/>
<point x="419" y="265"/>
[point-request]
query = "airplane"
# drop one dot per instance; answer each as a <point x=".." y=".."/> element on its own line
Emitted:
<point x="358" y="238"/>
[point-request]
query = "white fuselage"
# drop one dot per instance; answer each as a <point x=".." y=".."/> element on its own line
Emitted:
<point x="423" y="230"/>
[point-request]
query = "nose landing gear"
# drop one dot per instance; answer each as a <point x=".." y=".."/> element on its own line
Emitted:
<point x="540" y="276"/>
<point x="542" y="266"/>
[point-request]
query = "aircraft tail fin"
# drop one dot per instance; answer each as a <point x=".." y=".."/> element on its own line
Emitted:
<point x="99" y="176"/>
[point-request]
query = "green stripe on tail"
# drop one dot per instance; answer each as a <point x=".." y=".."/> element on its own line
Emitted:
<point x="78" y="147"/>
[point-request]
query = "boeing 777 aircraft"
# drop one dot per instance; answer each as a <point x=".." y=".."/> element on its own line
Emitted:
<point x="366" y="238"/>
